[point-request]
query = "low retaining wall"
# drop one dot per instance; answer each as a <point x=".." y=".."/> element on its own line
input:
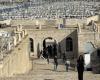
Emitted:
<point x="17" y="61"/>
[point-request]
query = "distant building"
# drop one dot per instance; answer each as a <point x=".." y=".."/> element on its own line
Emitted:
<point x="77" y="36"/>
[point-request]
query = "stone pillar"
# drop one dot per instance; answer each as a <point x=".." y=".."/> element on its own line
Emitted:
<point x="17" y="28"/>
<point x="15" y="42"/>
<point x="79" y="28"/>
<point x="25" y="32"/>
<point x="40" y="27"/>
<point x="9" y="46"/>
<point x="19" y="37"/>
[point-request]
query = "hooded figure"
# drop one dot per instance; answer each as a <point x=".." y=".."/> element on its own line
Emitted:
<point x="80" y="67"/>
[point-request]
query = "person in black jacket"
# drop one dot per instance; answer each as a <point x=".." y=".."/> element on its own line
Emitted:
<point x="80" y="67"/>
<point x="55" y="63"/>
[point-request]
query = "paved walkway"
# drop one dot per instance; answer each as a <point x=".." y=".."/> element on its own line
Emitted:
<point x="43" y="71"/>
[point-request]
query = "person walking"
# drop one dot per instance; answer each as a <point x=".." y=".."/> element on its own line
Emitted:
<point x="55" y="63"/>
<point x="48" y="58"/>
<point x="41" y="55"/>
<point x="80" y="67"/>
<point x="47" y="55"/>
<point x="67" y="64"/>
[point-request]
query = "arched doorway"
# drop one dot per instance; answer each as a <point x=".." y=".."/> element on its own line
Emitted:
<point x="49" y="47"/>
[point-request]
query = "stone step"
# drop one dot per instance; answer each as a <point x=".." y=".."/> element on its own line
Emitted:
<point x="42" y="77"/>
<point x="44" y="71"/>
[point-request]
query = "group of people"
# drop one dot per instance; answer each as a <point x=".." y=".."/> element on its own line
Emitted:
<point x="80" y="63"/>
<point x="80" y="66"/>
<point x="50" y="51"/>
<point x="67" y="63"/>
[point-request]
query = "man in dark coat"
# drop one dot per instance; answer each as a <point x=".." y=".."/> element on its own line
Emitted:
<point x="55" y="63"/>
<point x="80" y="67"/>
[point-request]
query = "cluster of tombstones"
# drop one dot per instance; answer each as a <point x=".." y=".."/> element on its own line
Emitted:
<point x="52" y="10"/>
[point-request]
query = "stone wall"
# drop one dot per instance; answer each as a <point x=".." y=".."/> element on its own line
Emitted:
<point x="84" y="38"/>
<point x="17" y="61"/>
<point x="38" y="22"/>
<point x="52" y="23"/>
<point x="74" y="21"/>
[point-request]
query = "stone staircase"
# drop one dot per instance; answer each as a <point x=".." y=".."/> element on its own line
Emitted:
<point x="43" y="71"/>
